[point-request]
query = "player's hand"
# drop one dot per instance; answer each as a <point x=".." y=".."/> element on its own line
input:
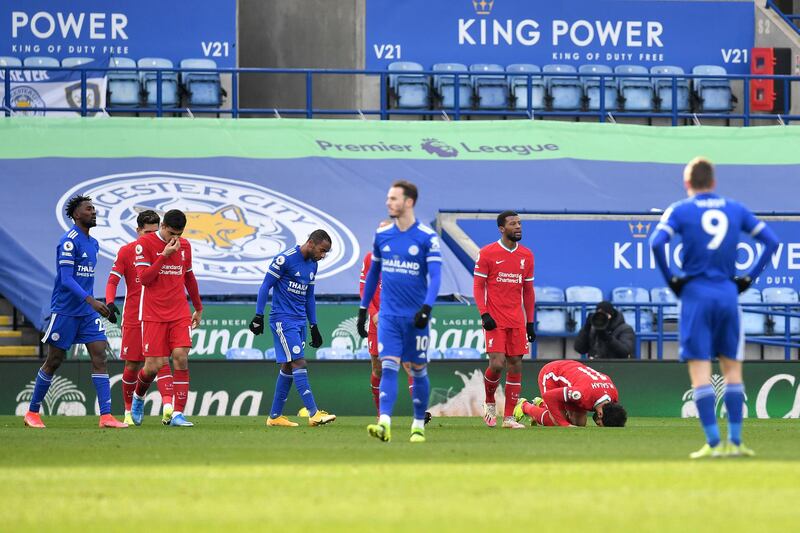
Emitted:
<point x="530" y="330"/>
<point x="316" y="336"/>
<point x="676" y="284"/>
<point x="257" y="325"/>
<point x="112" y="312"/>
<point x="172" y="246"/>
<point x="196" y="316"/>
<point x="98" y="306"/>
<point x="361" y="325"/>
<point x="422" y="317"/>
<point x="488" y="322"/>
<point x="742" y="283"/>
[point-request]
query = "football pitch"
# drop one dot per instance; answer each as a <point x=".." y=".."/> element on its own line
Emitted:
<point x="236" y="473"/>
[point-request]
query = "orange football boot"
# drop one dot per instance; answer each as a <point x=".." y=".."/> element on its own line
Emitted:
<point x="33" y="420"/>
<point x="108" y="421"/>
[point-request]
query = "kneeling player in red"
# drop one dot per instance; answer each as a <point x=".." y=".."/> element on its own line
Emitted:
<point x="568" y="390"/>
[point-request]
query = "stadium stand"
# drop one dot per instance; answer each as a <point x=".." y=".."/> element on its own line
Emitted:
<point x="518" y="86"/>
<point x="781" y="295"/>
<point x="752" y="323"/>
<point x="592" y="91"/>
<point x="6" y="61"/>
<point x="633" y="295"/>
<point x="461" y="353"/>
<point x="123" y="86"/>
<point x="582" y="294"/>
<point x="201" y="88"/>
<point x="490" y="86"/>
<point x="663" y="88"/>
<point x="551" y="318"/>
<point x="664" y="295"/>
<point x="409" y="90"/>
<point x="563" y="92"/>
<point x="444" y="85"/>
<point x="71" y="62"/>
<point x="636" y="92"/>
<point x="149" y="81"/>
<point x="244" y="354"/>
<point x="712" y="94"/>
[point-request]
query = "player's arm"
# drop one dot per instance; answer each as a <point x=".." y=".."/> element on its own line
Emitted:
<point x="665" y="230"/>
<point x="147" y="266"/>
<point x="114" y="278"/>
<point x="190" y="282"/>
<point x="759" y="230"/>
<point x="374" y="304"/>
<point x="66" y="269"/>
<point x="274" y="273"/>
<point x="434" y="260"/>
<point x="479" y="283"/>
<point x="556" y="400"/>
<point x="311" y="313"/>
<point x="370" y="286"/>
<point x="529" y="302"/>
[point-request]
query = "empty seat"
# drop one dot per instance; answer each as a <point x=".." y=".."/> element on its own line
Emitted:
<point x="72" y="62"/>
<point x="334" y="354"/>
<point x="202" y="88"/>
<point x="149" y="81"/>
<point x="663" y="88"/>
<point x="583" y="293"/>
<point x="243" y="354"/>
<point x="591" y="87"/>
<point x="41" y="61"/>
<point x="518" y="86"/>
<point x="636" y="94"/>
<point x="489" y="86"/>
<point x="7" y="61"/>
<point x="444" y="85"/>
<point x="664" y="295"/>
<point x="411" y="91"/>
<point x="123" y="86"/>
<point x="712" y="94"/>
<point x="551" y="315"/>
<point x="752" y="323"/>
<point x="564" y="92"/>
<point x="782" y="295"/>
<point x="631" y="295"/>
<point x="461" y="353"/>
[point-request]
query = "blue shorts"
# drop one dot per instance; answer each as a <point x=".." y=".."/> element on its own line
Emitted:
<point x="64" y="331"/>
<point x="710" y="321"/>
<point x="290" y="340"/>
<point x="398" y="337"/>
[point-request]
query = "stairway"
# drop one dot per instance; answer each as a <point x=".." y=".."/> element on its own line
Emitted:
<point x="19" y="342"/>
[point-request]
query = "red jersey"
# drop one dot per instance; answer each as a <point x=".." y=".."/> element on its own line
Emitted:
<point x="124" y="268"/>
<point x="574" y="386"/>
<point x="375" y="304"/>
<point x="163" y="299"/>
<point x="503" y="283"/>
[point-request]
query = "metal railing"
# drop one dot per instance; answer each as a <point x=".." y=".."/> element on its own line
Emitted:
<point x="788" y="19"/>
<point x="604" y="113"/>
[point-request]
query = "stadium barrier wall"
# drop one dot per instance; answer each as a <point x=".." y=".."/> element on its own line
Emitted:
<point x="647" y="389"/>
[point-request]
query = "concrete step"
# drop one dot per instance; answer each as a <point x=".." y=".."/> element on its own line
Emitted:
<point x="10" y="338"/>
<point x="6" y="320"/>
<point x="19" y="351"/>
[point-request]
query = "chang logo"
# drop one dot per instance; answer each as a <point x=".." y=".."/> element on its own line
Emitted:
<point x="63" y="398"/>
<point x="345" y="336"/>
<point x="24" y="96"/>
<point x="440" y="148"/>
<point x="235" y="227"/>
<point x="689" y="409"/>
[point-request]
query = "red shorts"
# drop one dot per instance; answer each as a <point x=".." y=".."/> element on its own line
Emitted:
<point x="160" y="338"/>
<point x="549" y="380"/>
<point x="372" y="339"/>
<point x="510" y="341"/>
<point x="131" y="349"/>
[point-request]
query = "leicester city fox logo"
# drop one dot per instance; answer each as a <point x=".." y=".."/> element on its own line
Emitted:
<point x="235" y="227"/>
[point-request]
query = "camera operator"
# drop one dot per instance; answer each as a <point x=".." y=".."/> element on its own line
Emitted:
<point x="605" y="335"/>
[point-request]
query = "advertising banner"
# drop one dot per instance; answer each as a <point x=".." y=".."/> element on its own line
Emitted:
<point x="245" y="388"/>
<point x="578" y="32"/>
<point x="172" y="29"/>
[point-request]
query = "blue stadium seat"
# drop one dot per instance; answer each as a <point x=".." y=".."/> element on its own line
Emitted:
<point x="638" y="295"/>
<point x="41" y="61"/>
<point x="782" y="295"/>
<point x="334" y="354"/>
<point x="664" y="295"/>
<point x="461" y="353"/>
<point x="752" y="323"/>
<point x="518" y="86"/>
<point x="583" y="293"/>
<point x="123" y="86"/>
<point x="551" y="318"/>
<point x="202" y="88"/>
<point x="489" y="86"/>
<point x="7" y="61"/>
<point x="444" y="85"/>
<point x="411" y="91"/>
<point x="565" y="93"/>
<point x="71" y="62"/>
<point x="663" y="88"/>
<point x="243" y="354"/>
<point x="712" y="94"/>
<point x="269" y="354"/>
<point x="591" y="87"/>
<point x="636" y="94"/>
<point x="149" y="79"/>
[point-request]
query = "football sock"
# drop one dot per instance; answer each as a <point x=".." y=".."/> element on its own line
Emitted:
<point x="734" y="404"/>
<point x="103" y="388"/>
<point x="491" y="380"/>
<point x="143" y="383"/>
<point x="375" y="382"/>
<point x="420" y="392"/>
<point x="128" y="386"/>
<point x="541" y="415"/>
<point x="282" y="387"/>
<point x="43" y="381"/>
<point x="388" y="386"/>
<point x="705" y="400"/>
<point x="411" y="384"/>
<point x="165" y="384"/>
<point x="513" y="387"/>
<point x="180" y="384"/>
<point x="304" y="390"/>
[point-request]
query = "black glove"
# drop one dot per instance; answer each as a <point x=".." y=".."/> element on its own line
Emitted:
<point x="742" y="284"/>
<point x="676" y="284"/>
<point x="113" y="311"/>
<point x="362" y="322"/>
<point x="488" y="322"/>
<point x="316" y="336"/>
<point x="257" y="325"/>
<point x="422" y="317"/>
<point x="530" y="331"/>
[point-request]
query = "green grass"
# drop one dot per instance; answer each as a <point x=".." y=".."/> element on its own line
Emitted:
<point x="235" y="473"/>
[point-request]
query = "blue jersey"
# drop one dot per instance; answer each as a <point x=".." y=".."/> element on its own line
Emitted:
<point x="709" y="226"/>
<point x="78" y="251"/>
<point x="403" y="257"/>
<point x="295" y="282"/>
